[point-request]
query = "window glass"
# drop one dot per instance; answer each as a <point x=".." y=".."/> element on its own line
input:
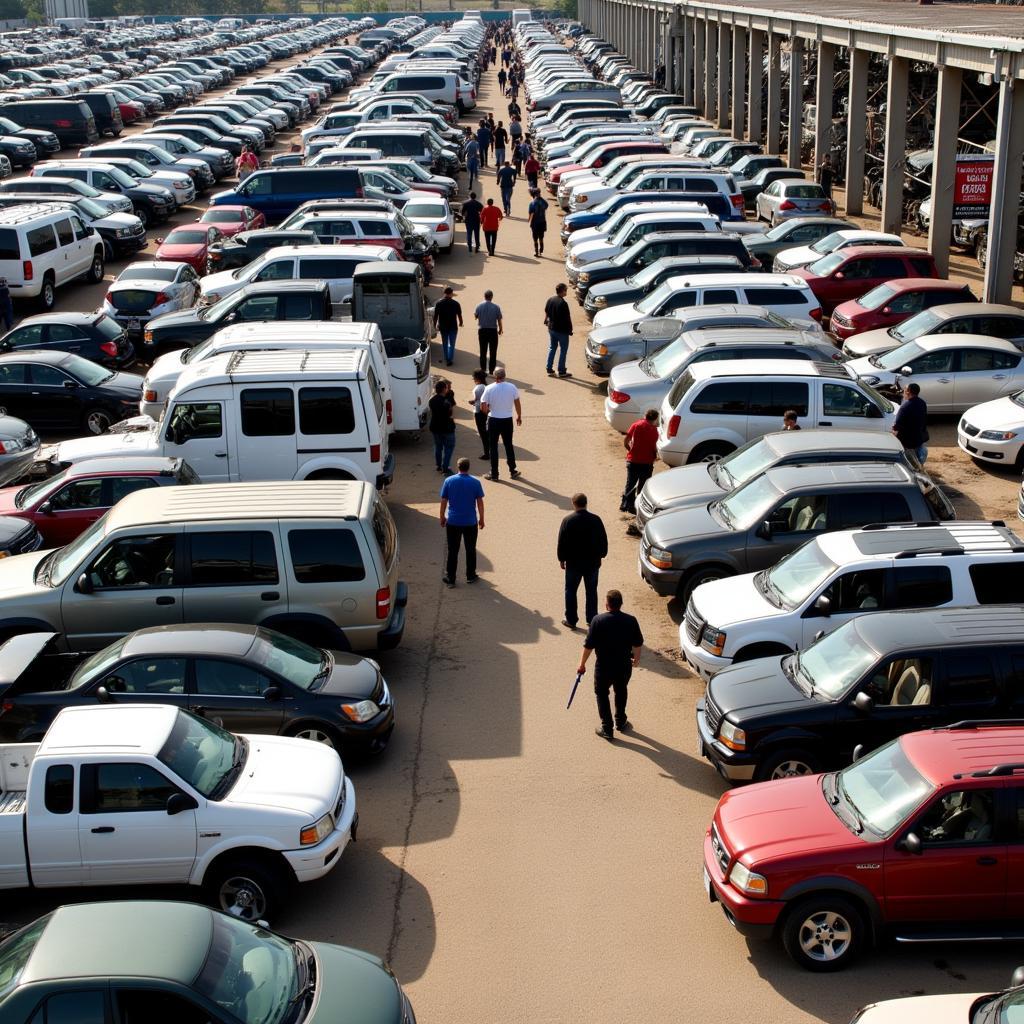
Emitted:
<point x="228" y="679"/>
<point x="123" y="787"/>
<point x="326" y="411"/>
<point x="775" y="296"/>
<point x="801" y="514"/>
<point x="119" y="488"/>
<point x="48" y="376"/>
<point x="136" y="562"/>
<point x="325" y="556"/>
<point x="194" y="421"/>
<point x="963" y="816"/>
<point x="148" y="675"/>
<point x="29" y="336"/>
<point x="385" y="532"/>
<point x="145" y="1006"/>
<point x="842" y="400"/>
<point x="74" y="1008"/>
<point x="857" y="591"/>
<point x="12" y="373"/>
<point x="997" y="582"/>
<point x="921" y="586"/>
<point x="888" y="267"/>
<point x="940" y="361"/>
<point x="257" y="185"/>
<point x="376" y="228"/>
<point x="41" y="240"/>
<point x="66" y="332"/>
<point x="902" y="682"/>
<point x="268" y="412"/>
<point x="59" y="795"/>
<point x="773" y="398"/>
<point x="725" y="397"/>
<point x="9" y="248"/>
<point x="259" y="307"/>
<point x="849" y="510"/>
<point x="297" y="307"/>
<point x="1005" y="327"/>
<point x="65" y="236"/>
<point x="79" y="494"/>
<point x="277" y="270"/>
<point x="970" y="678"/>
<point x="312" y="269"/>
<point x="719" y="296"/>
<point x="227" y="558"/>
<point x="922" y="268"/>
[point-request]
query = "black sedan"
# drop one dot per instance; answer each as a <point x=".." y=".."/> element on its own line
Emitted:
<point x="62" y="391"/>
<point x="245" y="678"/>
<point x="94" y="336"/>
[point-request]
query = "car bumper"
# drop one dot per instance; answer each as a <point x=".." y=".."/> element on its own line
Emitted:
<point x="753" y="918"/>
<point x="670" y="456"/>
<point x="391" y="636"/>
<point x="126" y="246"/>
<point x="704" y="664"/>
<point x="997" y="452"/>
<point x="387" y="473"/>
<point x="316" y="861"/>
<point x="663" y="581"/>
<point x="726" y="762"/>
<point x="616" y="417"/>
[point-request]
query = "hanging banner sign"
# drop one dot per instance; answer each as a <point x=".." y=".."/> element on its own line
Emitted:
<point x="972" y="187"/>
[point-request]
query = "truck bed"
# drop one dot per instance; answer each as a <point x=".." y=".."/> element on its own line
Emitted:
<point x="12" y="802"/>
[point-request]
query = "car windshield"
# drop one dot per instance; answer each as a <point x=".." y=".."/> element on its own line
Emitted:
<point x="827" y="264"/>
<point x="307" y="667"/>
<point x="925" y="322"/>
<point x="667" y="360"/>
<point x="91" y="207"/>
<point x="147" y="272"/>
<point x="219" y="215"/>
<point x="60" y="564"/>
<point x="749" y="504"/>
<point x="86" y="371"/>
<point x="897" y="357"/>
<point x="139" y="170"/>
<point x="96" y="664"/>
<point x="780" y="231"/>
<point x="652" y="302"/>
<point x="123" y="179"/>
<point x="249" y="972"/>
<point x="645" y="276"/>
<point x="16" y="951"/>
<point x="28" y="495"/>
<point x="207" y="757"/>
<point x="743" y="464"/>
<point x="828" y="244"/>
<point x="798" y="575"/>
<point x="883" y="789"/>
<point x="877" y="297"/>
<point x="424" y="210"/>
<point x="185" y="237"/>
<point x="834" y="663"/>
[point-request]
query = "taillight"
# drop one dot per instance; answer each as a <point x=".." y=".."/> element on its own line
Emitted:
<point x="383" y="602"/>
<point x="597" y="163"/>
<point x="737" y="200"/>
<point x="673" y="425"/>
<point x="6" y="706"/>
<point x="161" y="298"/>
<point x="32" y="172"/>
<point x="787" y="204"/>
<point x="375" y="453"/>
<point x="149" y="395"/>
<point x="816" y="314"/>
<point x="26" y="270"/>
<point x="62" y="123"/>
<point x="387" y="411"/>
<point x="441" y="227"/>
<point x="618" y="397"/>
<point x="108" y="348"/>
<point x="826" y="207"/>
<point x="3" y="448"/>
<point x="109" y="297"/>
<point x="472" y="93"/>
<point x="359" y="192"/>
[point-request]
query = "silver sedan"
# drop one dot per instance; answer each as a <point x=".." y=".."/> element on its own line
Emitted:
<point x="791" y="197"/>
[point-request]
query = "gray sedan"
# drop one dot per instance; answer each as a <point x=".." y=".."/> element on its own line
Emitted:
<point x="19" y="445"/>
<point x="787" y="198"/>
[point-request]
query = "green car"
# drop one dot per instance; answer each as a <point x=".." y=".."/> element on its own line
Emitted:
<point x="150" y="962"/>
<point x="791" y="233"/>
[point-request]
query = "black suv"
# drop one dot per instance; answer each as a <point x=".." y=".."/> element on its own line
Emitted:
<point x="241" y="249"/>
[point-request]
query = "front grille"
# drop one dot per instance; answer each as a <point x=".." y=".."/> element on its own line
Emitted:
<point x="339" y="807"/>
<point x="840" y="320"/>
<point x="647" y="506"/>
<point x="693" y="624"/>
<point x="969" y="429"/>
<point x="28" y="540"/>
<point x="378" y="691"/>
<point x="719" y="850"/>
<point x="712" y="712"/>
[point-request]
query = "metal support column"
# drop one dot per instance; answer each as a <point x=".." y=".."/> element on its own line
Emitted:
<point x="895" y="145"/>
<point x="824" y="88"/>
<point x="710" y="69"/>
<point x="755" y="88"/>
<point x="687" y="90"/>
<point x="773" y="135"/>
<point x="1002" y="225"/>
<point x="699" y="64"/>
<point x="739" y="80"/>
<point x="856" y="129"/>
<point x="724" y="74"/>
<point x="947" y="128"/>
<point x="796" y="101"/>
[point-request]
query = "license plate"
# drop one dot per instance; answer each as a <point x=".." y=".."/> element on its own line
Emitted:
<point x="134" y="324"/>
<point x="707" y="885"/>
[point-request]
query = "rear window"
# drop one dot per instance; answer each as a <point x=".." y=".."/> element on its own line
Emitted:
<point x="997" y="582"/>
<point x="776" y="297"/>
<point x="325" y="556"/>
<point x="385" y="532"/>
<point x="326" y="411"/>
<point x="41" y="240"/>
<point x="131" y="300"/>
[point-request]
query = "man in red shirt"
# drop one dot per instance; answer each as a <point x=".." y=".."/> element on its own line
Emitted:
<point x="490" y="218"/>
<point x="641" y="443"/>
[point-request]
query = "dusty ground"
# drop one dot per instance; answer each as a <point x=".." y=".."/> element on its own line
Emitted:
<point x="511" y="866"/>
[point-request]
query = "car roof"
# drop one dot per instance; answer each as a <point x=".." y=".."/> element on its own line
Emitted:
<point x="192" y="638"/>
<point x="259" y="287"/>
<point x="932" y="342"/>
<point x="948" y="310"/>
<point x="790" y="477"/>
<point x="111" y="727"/>
<point x="947" y="754"/>
<point x="720" y="312"/>
<point x="124" y="466"/>
<point x="126" y="939"/>
<point x="909" y="539"/>
<point x="768" y="367"/>
<point x="924" y="284"/>
<point x="789" y="442"/>
<point x="709" y="337"/>
<point x="852" y="251"/>
<point x="327" y="251"/>
<point x="36" y="355"/>
<point x="738" y="279"/>
<point x="289" y="499"/>
<point x="61" y="318"/>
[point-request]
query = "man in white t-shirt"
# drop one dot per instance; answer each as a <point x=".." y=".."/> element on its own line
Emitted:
<point x="500" y="401"/>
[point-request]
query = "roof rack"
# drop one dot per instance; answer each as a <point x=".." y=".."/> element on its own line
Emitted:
<point x="999" y="769"/>
<point x="977" y="723"/>
<point x="902" y="526"/>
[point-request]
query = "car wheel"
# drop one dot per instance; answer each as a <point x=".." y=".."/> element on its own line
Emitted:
<point x="787" y="764"/>
<point x="143" y="214"/>
<point x="824" y="933"/>
<point x="706" y="575"/>
<point x="47" y="294"/>
<point x="96" y="268"/>
<point x="317" y="733"/>
<point x="97" y="420"/>
<point x="710" y="451"/>
<point x="247" y="890"/>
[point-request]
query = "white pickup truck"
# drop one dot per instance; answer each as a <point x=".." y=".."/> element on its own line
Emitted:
<point x="136" y="794"/>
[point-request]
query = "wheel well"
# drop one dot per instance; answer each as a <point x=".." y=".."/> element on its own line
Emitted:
<point x="726" y="570"/>
<point x="710" y="448"/>
<point x="314" y="723"/>
<point x="270" y="859"/>
<point x="850" y="895"/>
<point x="330" y="474"/>
<point x="762" y="650"/>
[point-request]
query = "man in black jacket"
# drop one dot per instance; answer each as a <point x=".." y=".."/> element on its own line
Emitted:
<point x="582" y="544"/>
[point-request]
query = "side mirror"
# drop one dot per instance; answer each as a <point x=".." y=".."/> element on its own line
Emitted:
<point x="887" y="310"/>
<point x="103" y="695"/>
<point x="46" y="508"/>
<point x="71" y="384"/>
<point x="858" y="752"/>
<point x="910" y="843"/>
<point x="863" y="703"/>
<point x="1017" y="978"/>
<point x="272" y="693"/>
<point x="84" y="584"/>
<point x="764" y="531"/>
<point x="819" y="635"/>
<point x="839" y="275"/>
<point x="159" y="241"/>
<point x="906" y="371"/>
<point x="178" y="802"/>
<point x="871" y="411"/>
<point x="823" y="605"/>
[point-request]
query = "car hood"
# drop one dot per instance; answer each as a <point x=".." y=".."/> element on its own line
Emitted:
<point x="129" y="443"/>
<point x="351" y="676"/>
<point x="223" y="279"/>
<point x="954" y="1008"/>
<point x="116" y="220"/>
<point x="781" y="819"/>
<point x="7" y="496"/>
<point x="617" y="316"/>
<point x="353" y="987"/>
<point x="685" y="524"/>
<point x="683" y="486"/>
<point x="798" y="256"/>
<point x="171" y="250"/>
<point x="293" y="774"/>
<point x="18" y="576"/>
<point x="757" y="687"/>
<point x="733" y="599"/>
<point x="179" y="318"/>
<point x="869" y="343"/>
<point x="999" y="414"/>
<point x="627" y="376"/>
<point x="592" y="249"/>
<point x="123" y="385"/>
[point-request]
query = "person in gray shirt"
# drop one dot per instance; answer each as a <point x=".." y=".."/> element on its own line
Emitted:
<point x="489" y="326"/>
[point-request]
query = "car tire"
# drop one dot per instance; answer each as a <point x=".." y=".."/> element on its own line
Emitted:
<point x="710" y="451"/>
<point x="708" y="574"/>
<point x="96" y="268"/>
<point x="317" y="732"/>
<point x="788" y="763"/>
<point x="247" y="889"/>
<point x="143" y="214"/>
<point x="824" y="933"/>
<point x="97" y="420"/>
<point x="48" y="294"/>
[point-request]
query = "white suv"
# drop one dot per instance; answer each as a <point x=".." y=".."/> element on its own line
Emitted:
<point x="837" y="576"/>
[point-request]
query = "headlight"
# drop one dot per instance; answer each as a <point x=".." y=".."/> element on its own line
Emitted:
<point x="10" y="446"/>
<point x="747" y="881"/>
<point x="211" y="297"/>
<point x="180" y="185"/>
<point x="318" y="832"/>
<point x="712" y="640"/>
<point x="147" y="337"/>
<point x="602" y="350"/>
<point x="660" y="558"/>
<point x="124" y="232"/>
<point x="732" y="736"/>
<point x="584" y="277"/>
<point x="362" y="711"/>
<point x="583" y="198"/>
<point x="574" y="261"/>
<point x="998" y="435"/>
<point x="871" y="380"/>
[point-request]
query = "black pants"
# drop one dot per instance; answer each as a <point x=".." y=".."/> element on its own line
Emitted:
<point x="574" y="574"/>
<point x="473" y="236"/>
<point x="481" y="429"/>
<point x="490" y="240"/>
<point x="454" y="536"/>
<point x="488" y="348"/>
<point x="602" y="684"/>
<point x="501" y="429"/>
<point x="637" y="474"/>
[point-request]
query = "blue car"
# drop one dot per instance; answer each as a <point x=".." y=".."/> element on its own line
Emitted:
<point x="715" y="202"/>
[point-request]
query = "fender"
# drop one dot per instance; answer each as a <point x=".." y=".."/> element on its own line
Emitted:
<point x="22" y="624"/>
<point x="346" y="463"/>
<point x="836" y="883"/>
<point x="266" y="844"/>
<point x="718" y="432"/>
<point x="318" y="625"/>
<point x="705" y="558"/>
<point x="787" y="736"/>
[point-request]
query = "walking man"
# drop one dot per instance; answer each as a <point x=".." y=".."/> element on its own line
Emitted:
<point x="489" y="326"/>
<point x="559" y="324"/>
<point x="472" y="160"/>
<point x="471" y="210"/>
<point x="479" y="416"/>
<point x="447" y="321"/>
<point x="442" y="426"/>
<point x="826" y="174"/>
<point x="483" y="137"/>
<point x="500" y="401"/>
<point x="490" y="218"/>
<point x="617" y="641"/>
<point x="506" y="182"/>
<point x="911" y="422"/>
<point x="536" y="214"/>
<point x="641" y="444"/>
<point x="462" y="515"/>
<point x="582" y="545"/>
<point x="500" y="143"/>
<point x="502" y="79"/>
<point x="531" y="168"/>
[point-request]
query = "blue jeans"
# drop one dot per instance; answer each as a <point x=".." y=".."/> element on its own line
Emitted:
<point x="506" y="200"/>
<point x="559" y="341"/>
<point x="473" y="236"/>
<point x="573" y="575"/>
<point x="499" y="156"/>
<point x="473" y="169"/>
<point x="444" y="446"/>
<point x="448" y="342"/>
<point x="922" y="453"/>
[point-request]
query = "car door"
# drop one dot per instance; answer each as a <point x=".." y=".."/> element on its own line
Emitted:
<point x="265" y="442"/>
<point x="847" y="595"/>
<point x="770" y="400"/>
<point x="147" y="680"/>
<point x="125" y="832"/>
<point x="74" y="256"/>
<point x="70" y="509"/>
<point x="15" y="385"/>
<point x="67" y="338"/>
<point x="130" y="583"/>
<point x="196" y="432"/>
<point x="236" y="696"/>
<point x="55" y="398"/>
<point x="843" y="405"/>
<point x="27" y="336"/>
<point x="983" y="374"/>
<point x="960" y="873"/>
<point x="936" y="373"/>
<point x="796" y="519"/>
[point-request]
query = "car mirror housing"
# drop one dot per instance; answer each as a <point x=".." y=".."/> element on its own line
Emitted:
<point x="858" y="752"/>
<point x="46" y="508"/>
<point x="906" y="371"/>
<point x="84" y="584"/>
<point x="823" y="605"/>
<point x="764" y="531"/>
<point x="178" y="802"/>
<point x="103" y="695"/>
<point x="1017" y="978"/>
<point x="910" y="843"/>
<point x="272" y="693"/>
<point x="863" y="703"/>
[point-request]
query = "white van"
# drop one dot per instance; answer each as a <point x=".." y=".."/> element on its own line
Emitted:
<point x="246" y="337"/>
<point x="282" y="415"/>
<point x="44" y="246"/>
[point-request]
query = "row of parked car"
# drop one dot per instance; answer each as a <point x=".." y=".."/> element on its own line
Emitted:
<point x="860" y="646"/>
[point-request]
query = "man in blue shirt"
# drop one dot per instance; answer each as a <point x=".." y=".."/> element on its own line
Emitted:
<point x="462" y="513"/>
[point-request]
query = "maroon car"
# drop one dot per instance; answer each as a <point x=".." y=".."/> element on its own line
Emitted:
<point x="189" y="245"/>
<point x="891" y="303"/>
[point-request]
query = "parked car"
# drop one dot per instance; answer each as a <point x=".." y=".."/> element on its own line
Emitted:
<point x="147" y="289"/>
<point x="796" y="231"/>
<point x="432" y="218"/>
<point x="19" y="446"/>
<point x="230" y="220"/>
<point x="93" y="336"/>
<point x="892" y="303"/>
<point x="63" y="505"/>
<point x="954" y="1007"/>
<point x="189" y="245"/>
<point x="241" y="249"/>
<point x="994" y="432"/>
<point x="789" y="258"/>
<point x="792" y="198"/>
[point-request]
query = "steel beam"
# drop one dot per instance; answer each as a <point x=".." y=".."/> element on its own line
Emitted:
<point x="1005" y="213"/>
<point x="796" y="101"/>
<point x="699" y="64"/>
<point x="856" y="129"/>
<point x="687" y="89"/>
<point x="724" y="68"/>
<point x="710" y="69"/>
<point x="773" y="136"/>
<point x="894" y="157"/>
<point x="947" y="128"/>
<point x="755" y="88"/>
<point x="739" y="80"/>
<point x="824" y="88"/>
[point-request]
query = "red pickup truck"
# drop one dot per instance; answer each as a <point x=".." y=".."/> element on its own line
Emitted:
<point x="921" y="839"/>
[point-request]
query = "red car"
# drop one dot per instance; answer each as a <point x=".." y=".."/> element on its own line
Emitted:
<point x="230" y="220"/>
<point x="920" y="838"/>
<point x="616" y="148"/>
<point x="891" y="303"/>
<point x="130" y="111"/>
<point x="189" y="245"/>
<point x="849" y="273"/>
<point x="64" y="505"/>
